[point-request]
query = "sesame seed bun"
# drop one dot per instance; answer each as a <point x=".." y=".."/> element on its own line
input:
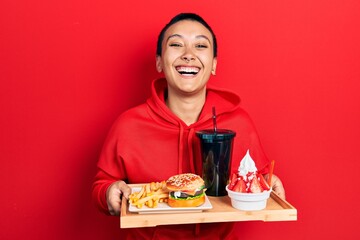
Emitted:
<point x="186" y="182"/>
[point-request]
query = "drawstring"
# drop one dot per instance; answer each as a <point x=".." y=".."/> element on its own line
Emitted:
<point x="181" y="148"/>
<point x="190" y="147"/>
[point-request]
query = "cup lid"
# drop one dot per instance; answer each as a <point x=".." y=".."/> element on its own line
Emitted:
<point x="220" y="134"/>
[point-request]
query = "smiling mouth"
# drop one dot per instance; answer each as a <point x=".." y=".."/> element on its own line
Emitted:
<point x="186" y="71"/>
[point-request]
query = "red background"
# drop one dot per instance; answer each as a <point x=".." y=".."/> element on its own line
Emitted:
<point x="69" y="68"/>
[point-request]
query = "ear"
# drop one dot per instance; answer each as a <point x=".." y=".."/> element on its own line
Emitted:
<point x="213" y="71"/>
<point x="158" y="64"/>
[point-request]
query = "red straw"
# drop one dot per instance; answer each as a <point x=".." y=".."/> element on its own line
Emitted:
<point x="271" y="172"/>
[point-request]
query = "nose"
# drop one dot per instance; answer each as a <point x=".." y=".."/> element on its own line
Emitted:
<point x="188" y="55"/>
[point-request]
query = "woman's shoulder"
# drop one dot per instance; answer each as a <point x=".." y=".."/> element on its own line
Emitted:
<point x="131" y="116"/>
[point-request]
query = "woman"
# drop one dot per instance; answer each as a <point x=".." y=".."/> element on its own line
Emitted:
<point x="156" y="140"/>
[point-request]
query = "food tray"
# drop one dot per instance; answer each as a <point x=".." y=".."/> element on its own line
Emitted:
<point x="277" y="209"/>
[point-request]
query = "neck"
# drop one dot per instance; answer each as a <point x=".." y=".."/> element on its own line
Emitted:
<point x="187" y="108"/>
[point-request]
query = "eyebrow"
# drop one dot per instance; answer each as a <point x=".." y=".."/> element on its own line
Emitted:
<point x="180" y="36"/>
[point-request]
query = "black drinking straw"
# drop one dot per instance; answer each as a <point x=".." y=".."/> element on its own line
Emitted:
<point x="214" y="119"/>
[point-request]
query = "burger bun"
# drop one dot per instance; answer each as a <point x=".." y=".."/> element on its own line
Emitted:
<point x="186" y="182"/>
<point x="172" y="202"/>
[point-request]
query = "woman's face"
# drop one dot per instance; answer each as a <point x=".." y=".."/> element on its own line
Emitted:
<point x="187" y="57"/>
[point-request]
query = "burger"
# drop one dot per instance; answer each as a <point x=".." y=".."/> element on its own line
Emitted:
<point x="185" y="190"/>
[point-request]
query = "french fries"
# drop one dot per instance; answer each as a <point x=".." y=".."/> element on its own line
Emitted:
<point x="150" y="195"/>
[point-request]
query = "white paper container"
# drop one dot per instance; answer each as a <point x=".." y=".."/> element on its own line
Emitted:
<point x="248" y="201"/>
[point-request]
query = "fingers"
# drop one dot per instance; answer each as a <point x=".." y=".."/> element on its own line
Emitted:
<point x="278" y="187"/>
<point x="125" y="189"/>
<point x="113" y="196"/>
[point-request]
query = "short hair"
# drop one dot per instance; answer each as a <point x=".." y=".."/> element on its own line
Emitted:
<point x="181" y="17"/>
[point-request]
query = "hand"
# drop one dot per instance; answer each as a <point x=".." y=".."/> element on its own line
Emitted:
<point x="276" y="185"/>
<point x="113" y="196"/>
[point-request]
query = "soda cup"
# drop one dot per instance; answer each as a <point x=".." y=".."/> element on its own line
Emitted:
<point x="216" y="153"/>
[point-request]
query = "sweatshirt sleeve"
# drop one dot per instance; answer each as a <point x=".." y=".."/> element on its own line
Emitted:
<point x="109" y="169"/>
<point x="101" y="183"/>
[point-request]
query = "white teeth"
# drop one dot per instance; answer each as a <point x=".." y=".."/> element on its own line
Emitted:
<point x="192" y="70"/>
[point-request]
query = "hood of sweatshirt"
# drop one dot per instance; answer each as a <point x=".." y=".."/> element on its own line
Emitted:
<point x="223" y="100"/>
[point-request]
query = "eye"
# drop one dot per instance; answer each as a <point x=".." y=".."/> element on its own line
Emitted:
<point x="201" y="46"/>
<point x="175" y="45"/>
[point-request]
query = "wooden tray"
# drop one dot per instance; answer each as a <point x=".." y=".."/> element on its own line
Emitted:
<point x="277" y="209"/>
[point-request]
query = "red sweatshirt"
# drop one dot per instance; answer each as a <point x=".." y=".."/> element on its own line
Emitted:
<point x="149" y="143"/>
